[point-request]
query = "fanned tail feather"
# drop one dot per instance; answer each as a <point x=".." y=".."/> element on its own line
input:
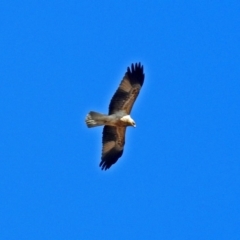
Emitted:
<point x="94" y="119"/>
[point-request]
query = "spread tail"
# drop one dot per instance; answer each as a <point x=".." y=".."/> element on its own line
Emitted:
<point x="94" y="119"/>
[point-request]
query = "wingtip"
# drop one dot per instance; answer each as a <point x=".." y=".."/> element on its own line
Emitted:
<point x="110" y="158"/>
<point x="104" y="166"/>
<point x="135" y="70"/>
<point x="135" y="66"/>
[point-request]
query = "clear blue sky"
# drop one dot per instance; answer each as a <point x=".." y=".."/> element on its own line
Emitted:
<point x="179" y="176"/>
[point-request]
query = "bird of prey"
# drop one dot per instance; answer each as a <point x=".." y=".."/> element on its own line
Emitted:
<point x="118" y="118"/>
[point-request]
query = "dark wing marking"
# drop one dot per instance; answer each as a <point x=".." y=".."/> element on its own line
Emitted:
<point x="128" y="90"/>
<point x="113" y="143"/>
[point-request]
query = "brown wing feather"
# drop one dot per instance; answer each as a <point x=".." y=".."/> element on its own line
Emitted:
<point x="128" y="90"/>
<point x="113" y="143"/>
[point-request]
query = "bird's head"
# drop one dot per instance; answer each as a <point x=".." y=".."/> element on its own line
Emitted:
<point x="128" y="120"/>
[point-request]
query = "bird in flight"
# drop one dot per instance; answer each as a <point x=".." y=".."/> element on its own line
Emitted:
<point x="118" y="118"/>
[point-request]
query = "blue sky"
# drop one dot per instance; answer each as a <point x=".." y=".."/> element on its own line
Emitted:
<point x="179" y="175"/>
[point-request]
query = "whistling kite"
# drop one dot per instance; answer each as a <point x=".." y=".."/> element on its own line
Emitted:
<point x="118" y="117"/>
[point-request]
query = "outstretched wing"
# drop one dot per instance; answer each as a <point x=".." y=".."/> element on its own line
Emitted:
<point x="113" y="142"/>
<point x="128" y="90"/>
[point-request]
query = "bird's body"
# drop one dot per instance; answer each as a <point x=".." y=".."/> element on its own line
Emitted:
<point x="119" y="118"/>
<point x="94" y="119"/>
